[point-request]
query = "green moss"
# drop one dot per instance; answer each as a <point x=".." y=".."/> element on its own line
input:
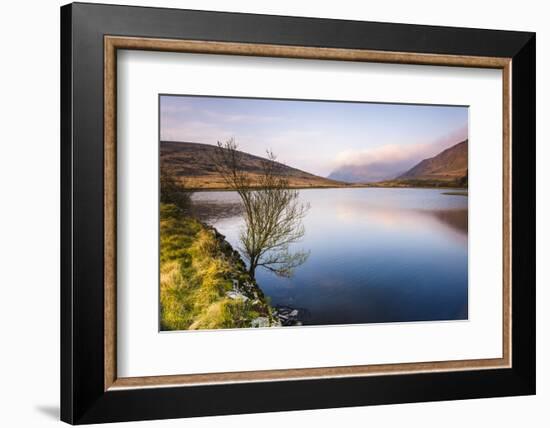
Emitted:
<point x="455" y="193"/>
<point x="196" y="270"/>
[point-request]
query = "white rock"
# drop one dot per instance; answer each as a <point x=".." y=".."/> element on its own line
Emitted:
<point x="260" y="322"/>
<point x="236" y="295"/>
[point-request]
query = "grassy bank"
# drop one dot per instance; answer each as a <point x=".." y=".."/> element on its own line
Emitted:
<point x="198" y="274"/>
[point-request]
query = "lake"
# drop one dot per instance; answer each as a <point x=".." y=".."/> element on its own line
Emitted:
<point x="375" y="254"/>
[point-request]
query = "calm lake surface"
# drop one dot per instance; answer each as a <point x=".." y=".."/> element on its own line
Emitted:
<point x="376" y="255"/>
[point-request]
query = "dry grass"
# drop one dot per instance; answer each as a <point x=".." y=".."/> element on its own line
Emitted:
<point x="195" y="274"/>
<point x="216" y="182"/>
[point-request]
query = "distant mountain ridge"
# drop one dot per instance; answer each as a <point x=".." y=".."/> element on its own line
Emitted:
<point x="371" y="173"/>
<point x="450" y="165"/>
<point x="192" y="162"/>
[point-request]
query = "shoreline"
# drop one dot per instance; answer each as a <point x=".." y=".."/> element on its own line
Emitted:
<point x="358" y="186"/>
<point x="205" y="283"/>
<point x="280" y="315"/>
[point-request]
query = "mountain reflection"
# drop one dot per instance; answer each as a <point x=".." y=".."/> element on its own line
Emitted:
<point x="454" y="220"/>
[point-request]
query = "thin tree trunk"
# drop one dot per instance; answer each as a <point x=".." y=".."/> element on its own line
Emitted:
<point x="252" y="269"/>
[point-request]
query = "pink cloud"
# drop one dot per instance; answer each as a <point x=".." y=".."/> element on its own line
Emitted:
<point x="389" y="160"/>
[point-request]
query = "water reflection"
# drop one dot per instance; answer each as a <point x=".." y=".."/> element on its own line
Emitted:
<point x="377" y="255"/>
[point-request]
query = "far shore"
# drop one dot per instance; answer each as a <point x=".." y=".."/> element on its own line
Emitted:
<point x="451" y="189"/>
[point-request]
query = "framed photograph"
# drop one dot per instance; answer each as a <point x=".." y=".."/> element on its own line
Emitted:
<point x="266" y="213"/>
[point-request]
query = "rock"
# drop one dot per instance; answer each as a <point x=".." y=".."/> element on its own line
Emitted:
<point x="288" y="316"/>
<point x="236" y="295"/>
<point x="276" y="323"/>
<point x="260" y="322"/>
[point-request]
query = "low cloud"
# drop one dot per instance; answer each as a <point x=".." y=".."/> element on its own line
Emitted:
<point x="389" y="160"/>
<point x="390" y="153"/>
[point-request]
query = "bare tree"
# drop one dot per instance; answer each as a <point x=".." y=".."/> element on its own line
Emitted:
<point x="272" y="211"/>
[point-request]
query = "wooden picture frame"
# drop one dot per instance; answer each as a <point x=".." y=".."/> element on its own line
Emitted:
<point x="91" y="390"/>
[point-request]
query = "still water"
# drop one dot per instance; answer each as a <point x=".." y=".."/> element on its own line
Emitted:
<point x="376" y="255"/>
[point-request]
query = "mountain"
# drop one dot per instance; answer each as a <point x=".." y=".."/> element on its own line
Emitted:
<point x="373" y="172"/>
<point x="451" y="165"/>
<point x="193" y="163"/>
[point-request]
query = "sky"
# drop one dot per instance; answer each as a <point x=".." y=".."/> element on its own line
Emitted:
<point x="319" y="137"/>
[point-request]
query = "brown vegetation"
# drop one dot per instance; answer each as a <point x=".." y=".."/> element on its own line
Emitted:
<point x="451" y="165"/>
<point x="193" y="163"/>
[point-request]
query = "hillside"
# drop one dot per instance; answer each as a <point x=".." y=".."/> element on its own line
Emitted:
<point x="192" y="162"/>
<point x="451" y="165"/>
